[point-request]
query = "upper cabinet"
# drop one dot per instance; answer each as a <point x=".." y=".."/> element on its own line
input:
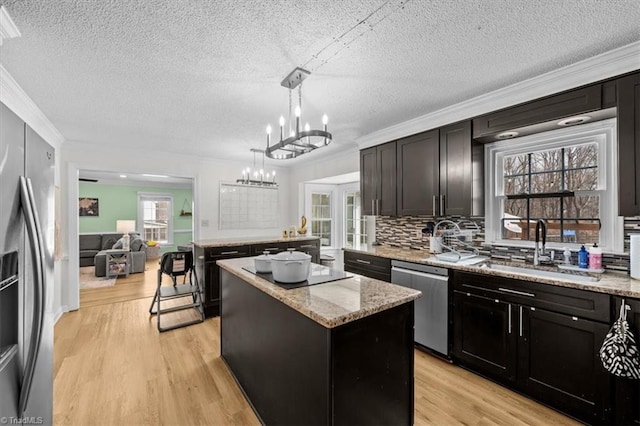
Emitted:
<point x="440" y="173"/>
<point x="541" y="115"/>
<point x="418" y="173"/>
<point x="378" y="180"/>
<point x="461" y="172"/>
<point x="628" y="97"/>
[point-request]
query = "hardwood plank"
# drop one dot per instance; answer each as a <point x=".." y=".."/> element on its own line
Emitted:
<point x="113" y="367"/>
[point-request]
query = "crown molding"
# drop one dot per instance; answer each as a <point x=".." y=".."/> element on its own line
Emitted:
<point x="12" y="95"/>
<point x="606" y="65"/>
<point x="8" y="28"/>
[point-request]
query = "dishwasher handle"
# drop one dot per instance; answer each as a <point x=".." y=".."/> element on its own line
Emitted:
<point x="422" y="274"/>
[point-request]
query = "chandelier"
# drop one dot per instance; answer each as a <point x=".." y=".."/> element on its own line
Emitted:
<point x="255" y="176"/>
<point x="299" y="141"/>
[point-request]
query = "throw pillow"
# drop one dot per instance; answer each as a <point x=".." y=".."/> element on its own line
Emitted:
<point x="108" y="243"/>
<point x="136" y="245"/>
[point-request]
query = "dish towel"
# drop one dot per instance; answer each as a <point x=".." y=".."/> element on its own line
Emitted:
<point x="619" y="351"/>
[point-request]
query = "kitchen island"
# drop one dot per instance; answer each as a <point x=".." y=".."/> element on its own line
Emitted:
<point x="332" y="353"/>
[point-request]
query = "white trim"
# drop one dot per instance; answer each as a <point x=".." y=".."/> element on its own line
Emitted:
<point x="12" y="95"/>
<point x="332" y="191"/>
<point x="601" y="132"/>
<point x="8" y="28"/>
<point x="72" y="298"/>
<point x="156" y="196"/>
<point x="609" y="64"/>
<point x="59" y="312"/>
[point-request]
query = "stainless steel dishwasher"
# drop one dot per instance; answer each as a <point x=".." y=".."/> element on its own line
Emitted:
<point x="432" y="309"/>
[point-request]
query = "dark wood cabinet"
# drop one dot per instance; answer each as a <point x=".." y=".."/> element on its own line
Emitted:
<point x="440" y="173"/>
<point x="560" y="363"/>
<point x="555" y="107"/>
<point x="378" y="180"/>
<point x="627" y="391"/>
<point x="529" y="336"/>
<point x="461" y="172"/>
<point x="368" y="265"/>
<point x="418" y="168"/>
<point x="628" y="96"/>
<point x="483" y="340"/>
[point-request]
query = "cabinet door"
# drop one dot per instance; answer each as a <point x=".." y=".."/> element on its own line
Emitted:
<point x="386" y="180"/>
<point x="368" y="265"/>
<point x="559" y="363"/>
<point x="312" y="248"/>
<point x="418" y="170"/>
<point x="212" y="292"/>
<point x="456" y="169"/>
<point x="368" y="180"/>
<point x="629" y="145"/>
<point x="627" y="390"/>
<point x="484" y="338"/>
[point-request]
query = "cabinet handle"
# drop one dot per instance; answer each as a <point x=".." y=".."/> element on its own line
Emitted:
<point x="230" y="252"/>
<point x="306" y="246"/>
<point x="442" y="205"/>
<point x="377" y="207"/>
<point x="521" y="293"/>
<point x="373" y="208"/>
<point x="520" y="321"/>
<point x="363" y="261"/>
<point x="509" y="318"/>
<point x="270" y="248"/>
<point x="434" y="206"/>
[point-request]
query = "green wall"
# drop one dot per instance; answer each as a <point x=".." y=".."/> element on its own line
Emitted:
<point x="121" y="202"/>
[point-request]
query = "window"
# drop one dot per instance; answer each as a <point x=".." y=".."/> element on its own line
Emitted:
<point x="321" y="217"/>
<point x="155" y="213"/>
<point x="355" y="226"/>
<point x="566" y="177"/>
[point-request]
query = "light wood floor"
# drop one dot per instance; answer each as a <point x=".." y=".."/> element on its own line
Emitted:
<point x="112" y="367"/>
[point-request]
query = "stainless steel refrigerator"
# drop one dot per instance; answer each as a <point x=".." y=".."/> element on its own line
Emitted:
<point x="26" y="265"/>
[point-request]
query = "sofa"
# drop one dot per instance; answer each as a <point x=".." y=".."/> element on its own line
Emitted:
<point x="91" y="244"/>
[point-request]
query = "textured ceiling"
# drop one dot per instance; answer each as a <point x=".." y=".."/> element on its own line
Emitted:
<point x="203" y="77"/>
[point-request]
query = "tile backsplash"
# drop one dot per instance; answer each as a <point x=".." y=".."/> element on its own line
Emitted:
<point x="405" y="232"/>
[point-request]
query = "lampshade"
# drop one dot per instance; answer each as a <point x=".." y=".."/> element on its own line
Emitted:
<point x="125" y="226"/>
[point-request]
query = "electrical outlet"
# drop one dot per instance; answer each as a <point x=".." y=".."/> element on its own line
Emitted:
<point x="204" y="223"/>
<point x="418" y="233"/>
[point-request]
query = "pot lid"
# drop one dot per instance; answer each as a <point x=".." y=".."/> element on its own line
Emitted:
<point x="291" y="255"/>
<point x="264" y="256"/>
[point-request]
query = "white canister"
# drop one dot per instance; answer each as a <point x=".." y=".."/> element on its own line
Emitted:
<point x="634" y="256"/>
<point x="435" y="244"/>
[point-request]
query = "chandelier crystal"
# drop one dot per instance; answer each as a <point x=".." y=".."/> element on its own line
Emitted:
<point x="298" y="141"/>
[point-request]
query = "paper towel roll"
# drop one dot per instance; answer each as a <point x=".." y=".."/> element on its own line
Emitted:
<point x="634" y="256"/>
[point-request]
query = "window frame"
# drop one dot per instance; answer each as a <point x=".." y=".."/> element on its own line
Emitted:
<point x="603" y="133"/>
<point x="358" y="218"/>
<point x="156" y="196"/>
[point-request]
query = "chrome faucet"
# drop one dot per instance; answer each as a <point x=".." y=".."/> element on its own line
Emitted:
<point x="539" y="255"/>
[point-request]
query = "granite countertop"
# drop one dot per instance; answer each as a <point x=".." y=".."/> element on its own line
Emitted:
<point x="615" y="283"/>
<point x="224" y="242"/>
<point x="333" y="303"/>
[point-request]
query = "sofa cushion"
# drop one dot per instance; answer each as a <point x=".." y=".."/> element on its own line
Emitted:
<point x="118" y="244"/>
<point x="90" y="242"/>
<point x="108" y="242"/>
<point x="136" y="244"/>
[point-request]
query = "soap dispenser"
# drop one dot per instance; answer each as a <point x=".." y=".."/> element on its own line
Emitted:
<point x="595" y="257"/>
<point x="567" y="256"/>
<point x="583" y="258"/>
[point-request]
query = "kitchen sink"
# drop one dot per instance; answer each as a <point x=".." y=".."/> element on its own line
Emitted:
<point x="541" y="273"/>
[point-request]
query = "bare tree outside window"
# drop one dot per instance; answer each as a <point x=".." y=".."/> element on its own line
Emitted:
<point x="557" y="185"/>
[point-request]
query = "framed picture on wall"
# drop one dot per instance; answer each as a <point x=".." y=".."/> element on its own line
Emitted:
<point x="88" y="206"/>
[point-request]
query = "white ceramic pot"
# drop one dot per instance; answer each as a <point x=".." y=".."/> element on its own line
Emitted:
<point x="290" y="267"/>
<point x="262" y="263"/>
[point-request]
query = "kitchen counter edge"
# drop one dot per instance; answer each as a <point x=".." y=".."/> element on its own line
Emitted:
<point x="613" y="283"/>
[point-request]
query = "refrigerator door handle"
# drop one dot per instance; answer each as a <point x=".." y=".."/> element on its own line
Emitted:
<point x="35" y="237"/>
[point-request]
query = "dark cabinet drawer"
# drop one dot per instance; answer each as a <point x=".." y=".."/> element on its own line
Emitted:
<point x="368" y="265"/>
<point x="272" y="248"/>
<point x="310" y="247"/>
<point x="228" y="252"/>
<point x="569" y="301"/>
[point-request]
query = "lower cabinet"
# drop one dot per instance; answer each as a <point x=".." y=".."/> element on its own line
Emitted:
<point x="522" y="335"/>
